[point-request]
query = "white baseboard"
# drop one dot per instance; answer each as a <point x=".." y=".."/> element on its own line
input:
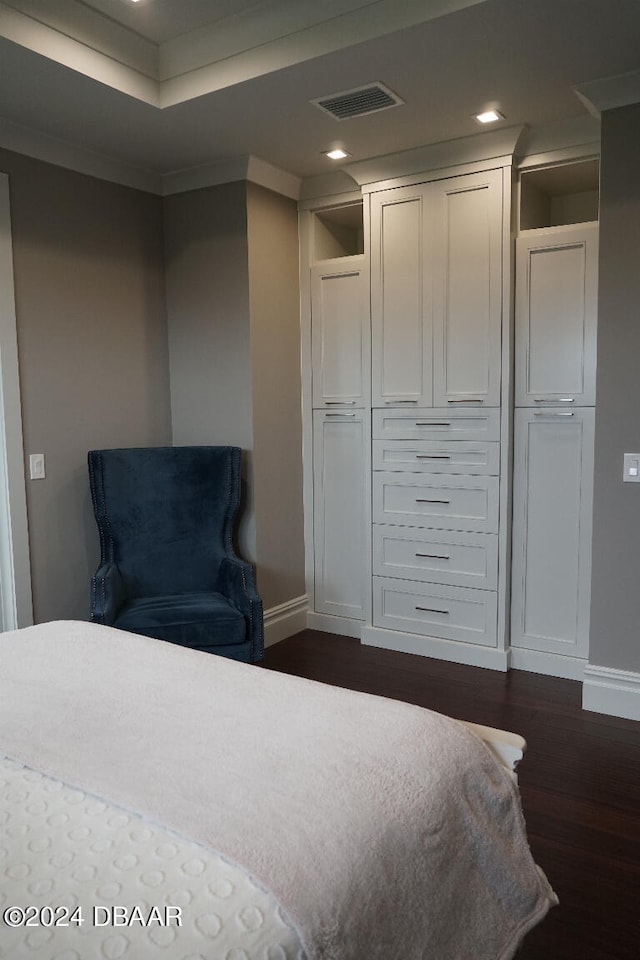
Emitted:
<point x="550" y="664"/>
<point x="615" y="692"/>
<point x="455" y="652"/>
<point x="342" y="626"/>
<point x="285" y="619"/>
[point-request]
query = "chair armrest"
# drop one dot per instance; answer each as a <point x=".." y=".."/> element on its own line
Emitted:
<point x="237" y="582"/>
<point x="107" y="594"/>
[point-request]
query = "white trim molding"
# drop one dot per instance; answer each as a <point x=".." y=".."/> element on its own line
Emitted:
<point x="549" y="664"/>
<point x="609" y="93"/>
<point x="472" y="655"/>
<point x="15" y="575"/>
<point x="342" y="626"/>
<point x="611" y="691"/>
<point x="285" y="619"/>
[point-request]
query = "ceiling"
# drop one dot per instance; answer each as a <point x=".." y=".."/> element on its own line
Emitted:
<point x="170" y="85"/>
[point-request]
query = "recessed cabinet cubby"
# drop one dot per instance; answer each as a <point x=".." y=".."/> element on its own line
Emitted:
<point x="557" y="195"/>
<point x="338" y="232"/>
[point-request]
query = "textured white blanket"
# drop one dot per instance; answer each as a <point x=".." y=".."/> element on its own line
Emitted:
<point x="384" y="830"/>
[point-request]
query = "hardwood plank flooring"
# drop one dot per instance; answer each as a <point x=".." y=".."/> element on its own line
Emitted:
<point x="579" y="781"/>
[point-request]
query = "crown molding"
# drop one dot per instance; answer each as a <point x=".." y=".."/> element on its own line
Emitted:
<point x="450" y="153"/>
<point x="249" y="168"/>
<point x="51" y="43"/>
<point x="609" y="93"/>
<point x="61" y="153"/>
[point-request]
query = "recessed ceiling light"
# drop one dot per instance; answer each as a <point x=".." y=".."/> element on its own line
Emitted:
<point x="489" y="116"/>
<point x="337" y="154"/>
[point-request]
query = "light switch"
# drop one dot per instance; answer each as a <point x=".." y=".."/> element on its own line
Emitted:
<point x="36" y="466"/>
<point x="631" y="472"/>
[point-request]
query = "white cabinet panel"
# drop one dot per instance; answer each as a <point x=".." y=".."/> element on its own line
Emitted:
<point x="436" y="424"/>
<point x="553" y="495"/>
<point x="340" y="513"/>
<point x="436" y="556"/>
<point x="401" y="324"/>
<point x="439" y="501"/>
<point x="433" y="456"/>
<point x="467" y="289"/>
<point x="340" y="333"/>
<point x="452" y="613"/>
<point x="556" y="316"/>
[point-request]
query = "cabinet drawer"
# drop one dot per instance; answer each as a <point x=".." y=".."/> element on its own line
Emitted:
<point x="452" y="613"/>
<point x="433" y="456"/>
<point x="436" y="556"/>
<point x="430" y="423"/>
<point x="440" y="501"/>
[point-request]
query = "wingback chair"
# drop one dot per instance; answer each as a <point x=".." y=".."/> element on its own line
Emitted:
<point x="167" y="567"/>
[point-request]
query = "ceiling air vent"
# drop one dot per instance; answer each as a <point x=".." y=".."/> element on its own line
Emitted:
<point x="358" y="102"/>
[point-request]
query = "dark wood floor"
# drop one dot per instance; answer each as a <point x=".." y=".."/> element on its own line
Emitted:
<point x="579" y="781"/>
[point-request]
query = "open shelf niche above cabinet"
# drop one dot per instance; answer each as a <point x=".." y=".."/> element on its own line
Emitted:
<point x="338" y="232"/>
<point x="559" y="195"/>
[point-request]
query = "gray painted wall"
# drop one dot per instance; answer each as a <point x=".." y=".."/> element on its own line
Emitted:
<point x="207" y="284"/>
<point x="615" y="599"/>
<point x="277" y="414"/>
<point x="234" y="346"/>
<point x="93" y="360"/>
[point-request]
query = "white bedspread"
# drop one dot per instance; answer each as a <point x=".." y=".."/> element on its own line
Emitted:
<point x="121" y="888"/>
<point x="382" y="829"/>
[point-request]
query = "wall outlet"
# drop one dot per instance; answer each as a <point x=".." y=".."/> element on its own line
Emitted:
<point x="631" y="473"/>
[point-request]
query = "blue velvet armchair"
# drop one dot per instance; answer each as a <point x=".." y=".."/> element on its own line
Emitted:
<point x="168" y="570"/>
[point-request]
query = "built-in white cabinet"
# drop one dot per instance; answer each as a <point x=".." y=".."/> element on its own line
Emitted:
<point x="340" y="375"/>
<point x="556" y="316"/>
<point x="556" y="280"/>
<point x="553" y="489"/>
<point x="341" y="513"/>
<point x="436" y="292"/>
<point x="452" y="384"/>
<point x="340" y="333"/>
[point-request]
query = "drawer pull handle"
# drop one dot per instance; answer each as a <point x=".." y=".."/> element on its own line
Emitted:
<point x="433" y="556"/>
<point x="431" y="501"/>
<point x="433" y="456"/>
<point x="400" y="401"/>
<point x="556" y="400"/>
<point x="468" y="400"/>
<point x="433" y="423"/>
<point x="339" y="414"/>
<point x="548" y="413"/>
<point x="432" y="610"/>
<point x="339" y="403"/>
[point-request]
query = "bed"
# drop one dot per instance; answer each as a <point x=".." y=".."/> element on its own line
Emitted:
<point x="159" y="801"/>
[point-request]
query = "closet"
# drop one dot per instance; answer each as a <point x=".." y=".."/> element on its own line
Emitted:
<point x="340" y="390"/>
<point x="555" y="375"/>
<point x="451" y="431"/>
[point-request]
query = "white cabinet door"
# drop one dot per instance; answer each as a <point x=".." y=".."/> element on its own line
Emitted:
<point x="556" y="316"/>
<point x="467" y="289"/>
<point x="436" y="292"/>
<point x="400" y="298"/>
<point x="340" y="512"/>
<point x="340" y="333"/>
<point x="553" y="494"/>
